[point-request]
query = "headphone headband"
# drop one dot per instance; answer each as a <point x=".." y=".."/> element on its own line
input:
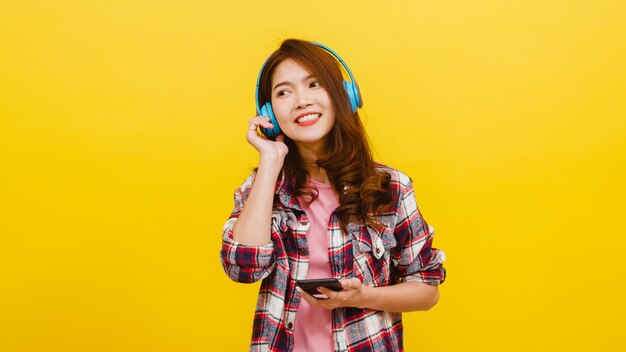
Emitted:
<point x="333" y="53"/>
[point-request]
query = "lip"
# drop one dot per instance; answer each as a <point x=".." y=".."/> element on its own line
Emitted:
<point x="308" y="123"/>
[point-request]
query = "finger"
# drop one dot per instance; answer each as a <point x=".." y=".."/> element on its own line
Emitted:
<point x="254" y="125"/>
<point x="352" y="284"/>
<point x="307" y="297"/>
<point x="259" y="121"/>
<point x="355" y="283"/>
<point x="328" y="292"/>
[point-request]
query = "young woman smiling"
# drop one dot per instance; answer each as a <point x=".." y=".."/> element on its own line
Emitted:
<point x="318" y="206"/>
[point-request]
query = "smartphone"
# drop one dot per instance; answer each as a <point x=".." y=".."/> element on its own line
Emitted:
<point x="310" y="286"/>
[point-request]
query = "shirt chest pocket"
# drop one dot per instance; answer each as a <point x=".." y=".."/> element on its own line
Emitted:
<point x="371" y="248"/>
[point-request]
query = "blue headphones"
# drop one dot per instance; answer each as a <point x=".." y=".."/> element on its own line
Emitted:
<point x="351" y="87"/>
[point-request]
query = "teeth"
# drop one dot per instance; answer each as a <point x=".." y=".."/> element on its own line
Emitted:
<point x="308" y="117"/>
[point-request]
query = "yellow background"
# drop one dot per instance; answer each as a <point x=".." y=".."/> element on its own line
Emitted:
<point x="122" y="139"/>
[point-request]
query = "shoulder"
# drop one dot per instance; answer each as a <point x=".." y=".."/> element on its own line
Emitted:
<point x="401" y="188"/>
<point x="242" y="191"/>
<point x="247" y="183"/>
<point x="398" y="178"/>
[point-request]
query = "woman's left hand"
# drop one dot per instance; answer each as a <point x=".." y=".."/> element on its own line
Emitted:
<point x="354" y="294"/>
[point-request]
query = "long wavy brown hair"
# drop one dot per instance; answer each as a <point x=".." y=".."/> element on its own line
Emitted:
<point x="347" y="159"/>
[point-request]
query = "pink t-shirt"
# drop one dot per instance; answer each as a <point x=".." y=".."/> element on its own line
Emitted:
<point x="313" y="325"/>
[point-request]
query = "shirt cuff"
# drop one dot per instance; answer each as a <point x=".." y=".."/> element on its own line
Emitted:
<point x="245" y="256"/>
<point x="434" y="274"/>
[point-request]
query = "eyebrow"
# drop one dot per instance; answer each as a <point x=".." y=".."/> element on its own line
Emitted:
<point x="287" y="83"/>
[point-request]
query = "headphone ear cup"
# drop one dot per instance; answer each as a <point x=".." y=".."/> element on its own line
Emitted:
<point x="271" y="133"/>
<point x="354" y="95"/>
<point x="357" y="94"/>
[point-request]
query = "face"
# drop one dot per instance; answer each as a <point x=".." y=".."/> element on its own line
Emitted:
<point x="301" y="105"/>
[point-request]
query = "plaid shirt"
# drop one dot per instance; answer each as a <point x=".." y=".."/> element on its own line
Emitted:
<point x="398" y="250"/>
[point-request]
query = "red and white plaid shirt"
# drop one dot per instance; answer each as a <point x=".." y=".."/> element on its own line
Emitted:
<point x="400" y="250"/>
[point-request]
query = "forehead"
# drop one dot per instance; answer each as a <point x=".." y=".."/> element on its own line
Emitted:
<point x="289" y="70"/>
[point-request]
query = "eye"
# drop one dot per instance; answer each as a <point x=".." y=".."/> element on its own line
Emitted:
<point x="280" y="93"/>
<point x="315" y="84"/>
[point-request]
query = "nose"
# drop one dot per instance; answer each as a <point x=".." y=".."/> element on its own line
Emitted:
<point x="303" y="99"/>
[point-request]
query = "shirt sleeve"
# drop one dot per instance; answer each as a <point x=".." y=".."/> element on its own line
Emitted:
<point x="244" y="263"/>
<point x="416" y="259"/>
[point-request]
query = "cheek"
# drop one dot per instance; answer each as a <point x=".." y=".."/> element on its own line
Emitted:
<point x="280" y="112"/>
<point x="281" y="117"/>
<point x="330" y="120"/>
<point x="325" y="98"/>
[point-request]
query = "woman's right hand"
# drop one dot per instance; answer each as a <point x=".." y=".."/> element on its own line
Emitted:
<point x="269" y="150"/>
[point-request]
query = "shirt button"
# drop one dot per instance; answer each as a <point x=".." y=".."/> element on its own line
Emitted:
<point x="290" y="326"/>
<point x="377" y="250"/>
<point x="302" y="251"/>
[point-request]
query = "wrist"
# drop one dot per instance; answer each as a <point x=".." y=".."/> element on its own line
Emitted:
<point x="369" y="296"/>
<point x="270" y="167"/>
<point x="271" y="161"/>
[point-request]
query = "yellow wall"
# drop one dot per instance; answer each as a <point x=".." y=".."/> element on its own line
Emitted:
<point x="122" y="130"/>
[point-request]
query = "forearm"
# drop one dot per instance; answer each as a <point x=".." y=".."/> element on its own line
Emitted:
<point x="402" y="297"/>
<point x="253" y="226"/>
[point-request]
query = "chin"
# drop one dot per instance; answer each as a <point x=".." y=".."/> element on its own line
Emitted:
<point x="309" y="137"/>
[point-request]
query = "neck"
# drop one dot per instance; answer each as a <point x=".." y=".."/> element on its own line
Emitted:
<point x="317" y="174"/>
<point x="309" y="154"/>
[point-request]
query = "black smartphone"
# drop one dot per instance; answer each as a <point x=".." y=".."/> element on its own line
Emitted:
<point x="311" y="285"/>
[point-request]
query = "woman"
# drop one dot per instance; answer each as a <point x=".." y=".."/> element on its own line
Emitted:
<point x="317" y="206"/>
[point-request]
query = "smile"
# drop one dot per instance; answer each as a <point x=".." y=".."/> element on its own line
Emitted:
<point x="309" y="119"/>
